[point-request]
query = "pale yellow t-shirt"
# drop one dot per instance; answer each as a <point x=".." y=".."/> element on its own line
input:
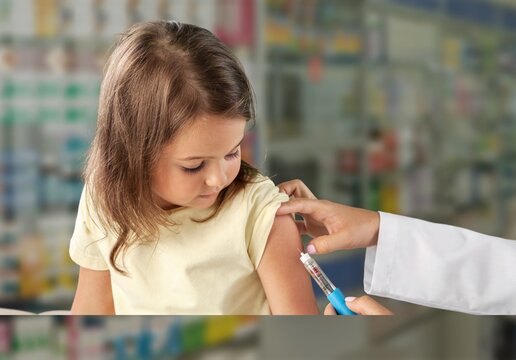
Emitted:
<point x="194" y="268"/>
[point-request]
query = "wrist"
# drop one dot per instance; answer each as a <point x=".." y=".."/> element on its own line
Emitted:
<point x="375" y="227"/>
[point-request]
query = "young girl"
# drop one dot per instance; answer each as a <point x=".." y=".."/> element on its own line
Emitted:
<point x="171" y="220"/>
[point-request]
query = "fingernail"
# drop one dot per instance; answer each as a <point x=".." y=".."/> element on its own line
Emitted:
<point x="311" y="249"/>
<point x="350" y="298"/>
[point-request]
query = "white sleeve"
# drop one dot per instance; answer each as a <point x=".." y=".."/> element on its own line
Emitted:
<point x="442" y="266"/>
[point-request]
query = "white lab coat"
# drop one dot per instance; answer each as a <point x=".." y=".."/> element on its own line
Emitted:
<point x="442" y="266"/>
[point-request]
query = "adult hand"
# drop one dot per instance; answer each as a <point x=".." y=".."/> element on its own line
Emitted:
<point x="363" y="305"/>
<point x="333" y="226"/>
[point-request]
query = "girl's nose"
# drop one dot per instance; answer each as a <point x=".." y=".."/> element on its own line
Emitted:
<point x="217" y="176"/>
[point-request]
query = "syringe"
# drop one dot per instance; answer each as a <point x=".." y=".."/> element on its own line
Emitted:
<point x="333" y="294"/>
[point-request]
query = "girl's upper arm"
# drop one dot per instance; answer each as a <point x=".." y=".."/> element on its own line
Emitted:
<point x="93" y="295"/>
<point x="285" y="281"/>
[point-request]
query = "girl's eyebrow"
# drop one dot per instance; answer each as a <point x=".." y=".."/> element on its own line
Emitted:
<point x="208" y="157"/>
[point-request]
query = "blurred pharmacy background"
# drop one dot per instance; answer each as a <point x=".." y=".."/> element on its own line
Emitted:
<point x="406" y="106"/>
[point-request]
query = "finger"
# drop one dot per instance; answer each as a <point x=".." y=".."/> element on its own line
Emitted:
<point x="287" y="187"/>
<point x="312" y="207"/>
<point x="365" y="305"/>
<point x="296" y="188"/>
<point x="329" y="310"/>
<point x="329" y="243"/>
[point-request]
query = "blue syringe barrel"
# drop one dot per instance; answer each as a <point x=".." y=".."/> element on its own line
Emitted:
<point x="338" y="302"/>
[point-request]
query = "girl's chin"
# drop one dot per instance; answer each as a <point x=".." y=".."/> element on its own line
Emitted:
<point x="204" y="202"/>
<point x="200" y="202"/>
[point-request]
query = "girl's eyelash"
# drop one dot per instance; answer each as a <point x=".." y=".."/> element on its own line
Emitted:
<point x="195" y="169"/>
<point x="234" y="155"/>
<point x="199" y="168"/>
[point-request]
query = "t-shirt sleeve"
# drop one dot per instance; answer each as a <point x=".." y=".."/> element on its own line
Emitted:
<point x="84" y="244"/>
<point x="264" y="200"/>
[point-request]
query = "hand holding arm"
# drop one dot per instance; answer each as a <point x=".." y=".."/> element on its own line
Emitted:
<point x="333" y="226"/>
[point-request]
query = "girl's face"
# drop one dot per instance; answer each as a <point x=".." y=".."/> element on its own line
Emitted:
<point x="201" y="161"/>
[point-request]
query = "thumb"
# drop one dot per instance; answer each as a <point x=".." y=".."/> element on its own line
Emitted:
<point x="329" y="310"/>
<point x="330" y="243"/>
<point x="365" y="305"/>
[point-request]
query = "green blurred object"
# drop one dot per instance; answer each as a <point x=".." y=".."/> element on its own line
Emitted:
<point x="192" y="335"/>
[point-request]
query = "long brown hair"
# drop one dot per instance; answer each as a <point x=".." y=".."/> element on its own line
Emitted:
<point x="159" y="77"/>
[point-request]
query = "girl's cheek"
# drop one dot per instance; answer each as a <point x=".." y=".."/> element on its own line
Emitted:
<point x="236" y="169"/>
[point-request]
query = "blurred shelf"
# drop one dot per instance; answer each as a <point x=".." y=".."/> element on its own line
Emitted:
<point x="245" y="339"/>
<point x="36" y="305"/>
